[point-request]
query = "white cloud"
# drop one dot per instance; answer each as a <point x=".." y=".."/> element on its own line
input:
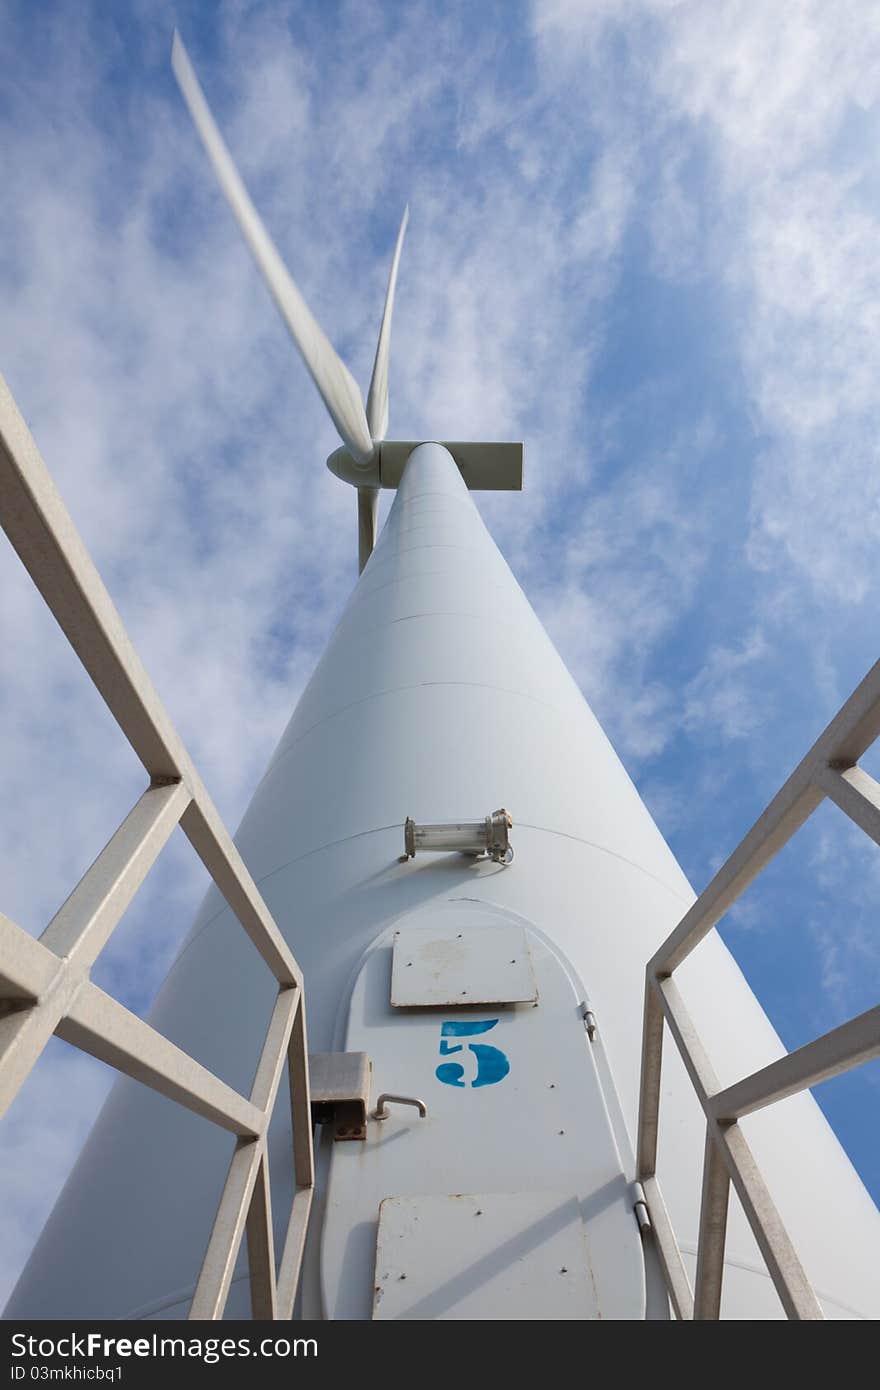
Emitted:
<point x="782" y="104"/>
<point x="722" y="698"/>
<point x="628" y="568"/>
<point x="843" y="929"/>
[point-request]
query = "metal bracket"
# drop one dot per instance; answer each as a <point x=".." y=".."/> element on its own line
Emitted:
<point x="339" y="1090"/>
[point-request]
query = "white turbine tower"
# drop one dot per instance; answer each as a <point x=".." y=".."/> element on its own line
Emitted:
<point x="476" y="1023"/>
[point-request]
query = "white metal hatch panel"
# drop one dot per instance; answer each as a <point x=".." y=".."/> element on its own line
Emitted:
<point x="514" y="1106"/>
<point x="510" y="1255"/>
<point x="450" y="958"/>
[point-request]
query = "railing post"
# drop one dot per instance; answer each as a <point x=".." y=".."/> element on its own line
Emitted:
<point x="649" y="1091"/>
<point x="713" y="1232"/>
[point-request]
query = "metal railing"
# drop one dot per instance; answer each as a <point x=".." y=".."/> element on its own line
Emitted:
<point x="45" y="986"/>
<point x="829" y="770"/>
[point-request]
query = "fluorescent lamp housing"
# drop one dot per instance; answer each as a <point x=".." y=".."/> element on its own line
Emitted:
<point x="489" y="837"/>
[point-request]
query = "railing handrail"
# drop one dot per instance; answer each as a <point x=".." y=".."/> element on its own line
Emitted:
<point x="830" y="769"/>
<point x="44" y="984"/>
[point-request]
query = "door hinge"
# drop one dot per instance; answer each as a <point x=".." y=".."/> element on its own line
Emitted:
<point x="589" y="1020"/>
<point x="640" y="1207"/>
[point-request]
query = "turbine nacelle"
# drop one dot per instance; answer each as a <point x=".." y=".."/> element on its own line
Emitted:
<point x="485" y="467"/>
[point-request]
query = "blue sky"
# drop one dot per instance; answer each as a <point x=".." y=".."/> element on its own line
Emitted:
<point x="644" y="239"/>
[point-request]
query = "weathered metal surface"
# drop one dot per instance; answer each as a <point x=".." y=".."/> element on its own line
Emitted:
<point x="505" y="1256"/>
<point x="713" y="1232"/>
<point x="339" y="1086"/>
<point x="460" y="954"/>
<point x="515" y="1104"/>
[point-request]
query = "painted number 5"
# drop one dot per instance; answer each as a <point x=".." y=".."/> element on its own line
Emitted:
<point x="492" y="1065"/>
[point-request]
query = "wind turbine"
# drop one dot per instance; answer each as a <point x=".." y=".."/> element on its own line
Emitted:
<point x="362" y="431"/>
<point x="476" y="1022"/>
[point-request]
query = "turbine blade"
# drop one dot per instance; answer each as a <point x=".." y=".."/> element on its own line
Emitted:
<point x="377" y="400"/>
<point x="337" y="386"/>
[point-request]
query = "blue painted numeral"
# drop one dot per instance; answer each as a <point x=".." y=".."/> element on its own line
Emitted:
<point x="492" y="1065"/>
